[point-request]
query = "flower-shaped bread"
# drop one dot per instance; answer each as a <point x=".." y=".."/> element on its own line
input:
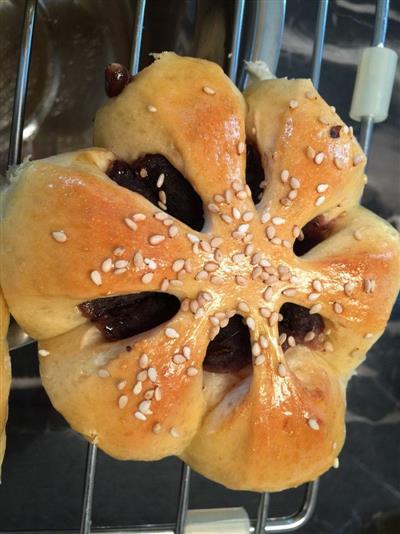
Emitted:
<point x="73" y="236"/>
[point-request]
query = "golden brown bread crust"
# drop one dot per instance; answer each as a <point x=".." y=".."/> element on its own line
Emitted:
<point x="267" y="428"/>
<point x="5" y="374"/>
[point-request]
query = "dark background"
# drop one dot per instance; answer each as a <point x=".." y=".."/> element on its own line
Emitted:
<point x="44" y="464"/>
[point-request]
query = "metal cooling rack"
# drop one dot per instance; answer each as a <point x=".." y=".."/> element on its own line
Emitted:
<point x="269" y="34"/>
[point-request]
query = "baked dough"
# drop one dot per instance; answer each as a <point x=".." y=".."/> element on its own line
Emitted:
<point x="271" y="425"/>
<point x="5" y="374"/>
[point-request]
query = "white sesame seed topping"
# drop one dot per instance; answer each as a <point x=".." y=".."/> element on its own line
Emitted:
<point x="243" y="307"/>
<point x="213" y="208"/>
<point x="313" y="424"/>
<point x="315" y="309"/>
<point x="328" y="346"/>
<point x="95" y="277"/>
<point x="348" y="288"/>
<point x="293" y="104"/>
<point x="139" y="217"/>
<point x="320" y="200"/>
<point x="43" y="352"/>
<point x="216" y="242"/>
<point x="268" y="293"/>
<point x="242" y="228"/>
<point x="282" y="338"/>
<point x="357" y="234"/>
<point x="294" y="183"/>
<point x="368" y="335"/>
<point x="141" y="376"/>
<point x="122" y="401"/>
<point x="310" y="152"/>
<point x="263" y="342"/>
<point x="106" y="266"/>
<point x="357" y="159"/>
<point x="121" y="385"/>
<point x="337" y="307"/>
<point x="171" y="333"/>
<point x="273" y="319"/>
<point x="285" y="175"/>
<point x="178" y="265"/>
<point x="147" y="278"/>
<point x="120" y="264"/>
<point x="151" y="108"/>
<point x="143" y="173"/>
<point x="256" y="349"/>
<point x="335" y="464"/>
<point x="152" y="374"/>
<point x="157" y="394"/>
<point x="240" y="148"/>
<point x="309" y="336"/>
<point x="265" y="216"/>
<point x="290" y="292"/>
<point x="251" y="323"/>
<point x="140" y="416"/>
<point x="282" y="370"/>
<point x="59" y="236"/>
<point x="143" y="361"/>
<point x="317" y="285"/>
<point x="208" y="90"/>
<point x="156" y="428"/>
<point x="292" y="194"/>
<point x="323" y="120"/>
<point x="321" y="188"/>
<point x="236" y="213"/>
<point x="248" y="216"/>
<point x="278" y="220"/>
<point x="271" y="232"/>
<point x="319" y="158"/>
<point x="217" y="280"/>
<point x="192" y="371"/>
<point x="178" y="359"/>
<point x="369" y="285"/>
<point x="103" y="373"/>
<point x="240" y="280"/>
<point x="137" y="388"/>
<point x="118" y="251"/>
<point x="174" y="432"/>
<point x="276" y="241"/>
<point x="259" y="360"/>
<point x="156" y="239"/>
<point x="120" y="271"/>
<point x="310" y="95"/>
<point x="130" y="224"/>
<point x="265" y="312"/>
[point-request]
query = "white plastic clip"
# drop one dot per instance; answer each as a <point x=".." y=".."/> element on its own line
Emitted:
<point x="374" y="84"/>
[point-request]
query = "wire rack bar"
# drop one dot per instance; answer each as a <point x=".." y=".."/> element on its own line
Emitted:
<point x="21" y="87"/>
<point x="237" y="32"/>
<point x="137" y="36"/>
<point x="183" y="503"/>
<point x="378" y="39"/>
<point x="262" y="514"/>
<point x="87" y="501"/>
<point x="318" y="48"/>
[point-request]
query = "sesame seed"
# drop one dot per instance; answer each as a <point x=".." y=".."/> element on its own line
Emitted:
<point x="278" y="220"/>
<point x="259" y="360"/>
<point x="369" y="285"/>
<point x="118" y="251"/>
<point x="120" y="271"/>
<point x="228" y="196"/>
<point x="208" y="90"/>
<point x="310" y="95"/>
<point x="256" y="349"/>
<point x="240" y="280"/>
<point x="282" y="370"/>
<point x="216" y="280"/>
<point x="348" y="288"/>
<point x="271" y="232"/>
<point x="226" y="218"/>
<point x="160" y="180"/>
<point x="122" y="401"/>
<point x="317" y="285"/>
<point x="319" y="158"/>
<point x="59" y="236"/>
<point x="309" y="336"/>
<point x="315" y="309"/>
<point x="174" y="432"/>
<point x="177" y="283"/>
<point x="156" y="428"/>
<point x="120" y="264"/>
<point x="140" y="416"/>
<point x="339" y="163"/>
<point x="273" y="319"/>
<point x="237" y="258"/>
<point x="251" y="323"/>
<point x="141" y="376"/>
<point x="242" y="228"/>
<point x="130" y="224"/>
<point x="285" y="175"/>
<point x="293" y="104"/>
<point x="321" y="188"/>
<point x="320" y="200"/>
<point x="103" y="373"/>
<point x="178" y="265"/>
<point x="152" y="374"/>
<point x="265" y="312"/>
<point x="210" y="266"/>
<point x="357" y="235"/>
<point x="143" y="361"/>
<point x="248" y="216"/>
<point x="268" y="293"/>
<point x="313" y="424"/>
<point x="95" y="277"/>
<point x="368" y="335"/>
<point x="276" y="241"/>
<point x="282" y="339"/>
<point x="213" y="208"/>
<point x="216" y="242"/>
<point x="121" y="385"/>
<point x="335" y="464"/>
<point x="171" y="333"/>
<point x="192" y="371"/>
<point x="201" y="275"/>
<point x="147" y="278"/>
<point x="310" y="152"/>
<point x="291" y="341"/>
<point x="156" y="239"/>
<point x="289" y="292"/>
<point x="219" y="199"/>
<point x="265" y="216"/>
<point x="294" y="183"/>
<point x="178" y="359"/>
<point x="43" y="352"/>
<point x="263" y="342"/>
<point x="151" y="108"/>
<point x="106" y="266"/>
<point x="236" y="213"/>
<point x="323" y="120"/>
<point x="137" y="387"/>
<point x="292" y="194"/>
<point x="328" y="346"/>
<point x="337" y="307"/>
<point x="357" y="159"/>
<point x="240" y="148"/>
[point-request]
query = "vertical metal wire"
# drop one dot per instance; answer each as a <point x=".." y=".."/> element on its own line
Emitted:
<point x="183" y="502"/>
<point x="319" y="39"/>
<point x="87" y="501"/>
<point x="137" y="36"/>
<point x="237" y="31"/>
<point x="21" y="87"/>
<point x="262" y="514"/>
<point x="378" y="39"/>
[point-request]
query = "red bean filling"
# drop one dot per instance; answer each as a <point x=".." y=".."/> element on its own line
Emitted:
<point x="254" y="172"/>
<point x="125" y="316"/>
<point x="297" y="322"/>
<point x="315" y="231"/>
<point x="142" y="175"/>
<point x="116" y="77"/>
<point x="230" y="351"/>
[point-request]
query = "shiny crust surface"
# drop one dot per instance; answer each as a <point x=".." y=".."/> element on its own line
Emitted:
<point x="266" y="428"/>
<point x="5" y="374"/>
